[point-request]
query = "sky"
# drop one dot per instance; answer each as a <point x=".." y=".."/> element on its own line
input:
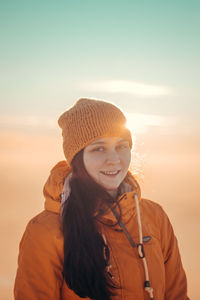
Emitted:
<point x="143" y="56"/>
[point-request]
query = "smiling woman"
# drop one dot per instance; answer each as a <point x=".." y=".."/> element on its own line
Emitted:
<point x="107" y="161"/>
<point x="89" y="241"/>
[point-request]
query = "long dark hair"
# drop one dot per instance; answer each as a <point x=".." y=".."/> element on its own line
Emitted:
<point x="84" y="247"/>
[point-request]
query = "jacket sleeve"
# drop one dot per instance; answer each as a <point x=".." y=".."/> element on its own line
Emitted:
<point x="39" y="273"/>
<point x="175" y="278"/>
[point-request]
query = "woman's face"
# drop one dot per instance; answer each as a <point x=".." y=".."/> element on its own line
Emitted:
<point x="107" y="161"/>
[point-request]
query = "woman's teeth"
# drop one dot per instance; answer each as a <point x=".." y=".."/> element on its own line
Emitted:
<point x="110" y="172"/>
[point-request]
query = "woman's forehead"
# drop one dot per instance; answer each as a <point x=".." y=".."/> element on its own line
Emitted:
<point x="105" y="140"/>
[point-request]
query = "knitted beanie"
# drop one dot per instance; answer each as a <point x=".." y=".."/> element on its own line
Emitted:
<point x="88" y="120"/>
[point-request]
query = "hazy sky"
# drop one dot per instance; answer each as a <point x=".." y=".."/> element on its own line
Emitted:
<point x="142" y="55"/>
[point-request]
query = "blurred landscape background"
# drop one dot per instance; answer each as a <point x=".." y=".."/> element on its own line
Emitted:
<point x="141" y="55"/>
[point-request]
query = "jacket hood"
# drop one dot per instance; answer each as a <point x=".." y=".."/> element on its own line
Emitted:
<point x="53" y="189"/>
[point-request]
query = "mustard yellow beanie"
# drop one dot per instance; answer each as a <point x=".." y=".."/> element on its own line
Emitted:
<point x="88" y="120"/>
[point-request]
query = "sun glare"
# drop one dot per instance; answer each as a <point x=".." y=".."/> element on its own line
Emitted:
<point x="140" y="123"/>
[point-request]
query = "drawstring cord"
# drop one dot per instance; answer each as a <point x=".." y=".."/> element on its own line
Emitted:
<point x="141" y="252"/>
<point x="140" y="246"/>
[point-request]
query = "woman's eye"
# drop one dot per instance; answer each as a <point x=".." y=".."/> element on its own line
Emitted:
<point x="99" y="149"/>
<point x="122" y="147"/>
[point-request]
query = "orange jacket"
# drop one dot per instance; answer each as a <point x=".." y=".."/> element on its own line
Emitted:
<point x="40" y="263"/>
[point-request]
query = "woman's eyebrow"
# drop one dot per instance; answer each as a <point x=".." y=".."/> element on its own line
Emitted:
<point x="95" y="143"/>
<point x="122" y="141"/>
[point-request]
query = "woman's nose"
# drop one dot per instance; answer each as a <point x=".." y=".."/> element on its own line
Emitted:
<point x="112" y="157"/>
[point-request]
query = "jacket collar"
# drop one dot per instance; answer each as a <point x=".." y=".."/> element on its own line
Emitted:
<point x="53" y="189"/>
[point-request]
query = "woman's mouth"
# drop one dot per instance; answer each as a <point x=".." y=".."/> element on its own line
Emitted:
<point x="110" y="173"/>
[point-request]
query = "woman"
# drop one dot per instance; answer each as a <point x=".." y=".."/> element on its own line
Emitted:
<point x="97" y="238"/>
